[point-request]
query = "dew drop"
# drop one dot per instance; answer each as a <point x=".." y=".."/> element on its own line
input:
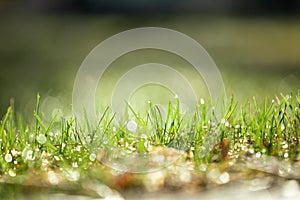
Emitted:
<point x="8" y="157"/>
<point x="27" y="154"/>
<point x="132" y="126"/>
<point x="75" y="164"/>
<point x="14" y="152"/>
<point x="41" y="138"/>
<point x="92" y="157"/>
<point x="52" y="178"/>
<point x="12" y="172"/>
<point x="258" y="155"/>
<point x="224" y="177"/>
<point x="285" y="146"/>
<point x="78" y="148"/>
<point x="202" y="101"/>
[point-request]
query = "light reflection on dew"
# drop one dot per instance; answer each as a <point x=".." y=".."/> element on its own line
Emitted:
<point x="202" y="101"/>
<point x="27" y="154"/>
<point x="8" y="157"/>
<point x="12" y="172"/>
<point x="258" y="155"/>
<point x="131" y="126"/>
<point x="92" y="157"/>
<point x="75" y="164"/>
<point x="224" y="177"/>
<point x="78" y="148"/>
<point x="14" y="152"/>
<point x="52" y="178"/>
<point x="285" y="146"/>
<point x="41" y="138"/>
<point x="56" y="158"/>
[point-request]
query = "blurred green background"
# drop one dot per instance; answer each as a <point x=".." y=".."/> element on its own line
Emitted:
<point x="257" y="49"/>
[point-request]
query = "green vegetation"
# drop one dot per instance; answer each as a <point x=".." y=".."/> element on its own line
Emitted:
<point x="64" y="155"/>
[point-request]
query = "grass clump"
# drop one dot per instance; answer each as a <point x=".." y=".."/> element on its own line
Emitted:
<point x="63" y="151"/>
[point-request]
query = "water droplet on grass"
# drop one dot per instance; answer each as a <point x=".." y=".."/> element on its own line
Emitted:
<point x="258" y="155"/>
<point x="8" y="157"/>
<point x="285" y="146"/>
<point x="132" y="126"/>
<point x="202" y="101"/>
<point x="224" y="177"/>
<point x="27" y="154"/>
<point x="75" y="164"/>
<point x="12" y="173"/>
<point x="41" y="138"/>
<point x="52" y="178"/>
<point x="14" y="152"/>
<point x="92" y="157"/>
<point x="78" y="148"/>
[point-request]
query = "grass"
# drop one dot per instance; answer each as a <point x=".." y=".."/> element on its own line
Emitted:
<point x="63" y="155"/>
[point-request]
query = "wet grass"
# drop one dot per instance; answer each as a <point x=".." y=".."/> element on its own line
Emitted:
<point x="69" y="157"/>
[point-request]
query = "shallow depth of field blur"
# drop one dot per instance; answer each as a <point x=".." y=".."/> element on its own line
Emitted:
<point x="255" y="45"/>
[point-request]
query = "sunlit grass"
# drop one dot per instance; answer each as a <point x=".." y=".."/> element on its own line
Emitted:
<point x="65" y="151"/>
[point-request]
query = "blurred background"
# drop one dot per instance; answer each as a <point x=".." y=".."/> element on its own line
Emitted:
<point x="255" y="43"/>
